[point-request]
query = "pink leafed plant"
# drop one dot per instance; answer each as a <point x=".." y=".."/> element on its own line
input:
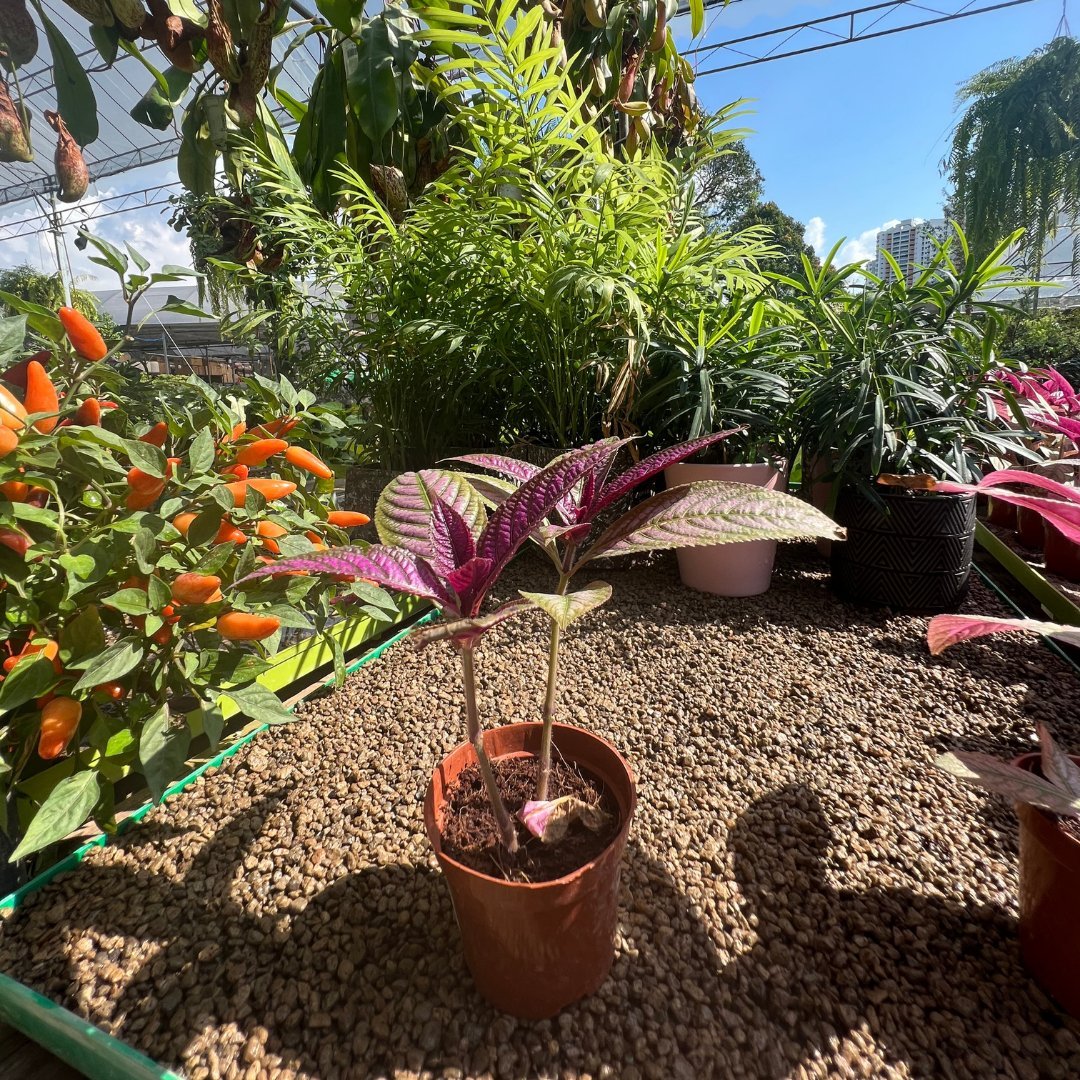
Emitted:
<point x="1044" y="398"/>
<point x="1056" y="790"/>
<point x="439" y="542"/>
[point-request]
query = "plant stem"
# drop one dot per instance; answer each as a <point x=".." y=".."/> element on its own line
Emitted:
<point x="476" y="737"/>
<point x="544" y="776"/>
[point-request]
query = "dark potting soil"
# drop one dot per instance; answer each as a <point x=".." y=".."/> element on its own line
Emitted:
<point x="470" y="834"/>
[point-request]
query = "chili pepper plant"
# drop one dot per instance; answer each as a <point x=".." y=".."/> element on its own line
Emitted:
<point x="118" y="644"/>
<point x="439" y="541"/>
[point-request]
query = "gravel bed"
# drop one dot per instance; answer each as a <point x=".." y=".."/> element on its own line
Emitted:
<point x="803" y="896"/>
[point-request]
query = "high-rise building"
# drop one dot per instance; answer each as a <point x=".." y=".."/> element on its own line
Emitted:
<point x="912" y="243"/>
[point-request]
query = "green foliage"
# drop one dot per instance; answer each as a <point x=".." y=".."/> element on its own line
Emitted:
<point x="899" y="383"/>
<point x="1048" y="339"/>
<point x="1015" y="158"/>
<point x="47" y="290"/>
<point x="787" y="234"/>
<point x="96" y="525"/>
<point x="518" y="296"/>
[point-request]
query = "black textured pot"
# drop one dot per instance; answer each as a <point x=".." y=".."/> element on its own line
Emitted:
<point x="913" y="553"/>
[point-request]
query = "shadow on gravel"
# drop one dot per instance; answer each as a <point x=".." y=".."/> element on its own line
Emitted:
<point x="366" y="978"/>
<point x="937" y="983"/>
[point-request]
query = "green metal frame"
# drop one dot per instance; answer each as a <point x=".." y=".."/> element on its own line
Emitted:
<point x="1055" y="604"/>
<point x="75" y="1041"/>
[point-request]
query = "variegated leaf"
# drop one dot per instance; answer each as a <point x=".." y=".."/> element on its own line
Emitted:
<point x="466" y="632"/>
<point x="549" y="819"/>
<point x="393" y="568"/>
<point x="466" y="578"/>
<point x="1014" y="783"/>
<point x="946" y="630"/>
<point x="655" y="464"/>
<point x="499" y="463"/>
<point x="403" y="512"/>
<point x="568" y="608"/>
<point x="1057" y="766"/>
<point x="712" y="512"/>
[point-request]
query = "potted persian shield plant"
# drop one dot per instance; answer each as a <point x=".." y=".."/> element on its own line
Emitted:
<point x="529" y="821"/>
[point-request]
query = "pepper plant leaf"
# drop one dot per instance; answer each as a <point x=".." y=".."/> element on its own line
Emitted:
<point x="69" y="804"/>
<point x="711" y="512"/>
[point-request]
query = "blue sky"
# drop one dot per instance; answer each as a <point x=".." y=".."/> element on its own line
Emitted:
<point x="848" y="138"/>
<point x="852" y="137"/>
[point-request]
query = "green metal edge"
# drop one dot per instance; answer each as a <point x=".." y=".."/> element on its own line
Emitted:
<point x="1059" y="607"/>
<point x="77" y="1042"/>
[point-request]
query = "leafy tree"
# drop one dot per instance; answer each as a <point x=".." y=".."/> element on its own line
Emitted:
<point x="1049" y="339"/>
<point x="728" y="186"/>
<point x="1015" y="158"/>
<point x="36" y="287"/>
<point x="785" y="232"/>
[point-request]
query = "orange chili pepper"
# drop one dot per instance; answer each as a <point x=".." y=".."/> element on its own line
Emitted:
<point x="14" y="490"/>
<point x="88" y="414"/>
<point x="258" y="452"/>
<point x="193" y="588"/>
<point x="8" y="441"/>
<point x="83" y="335"/>
<point x="59" y="722"/>
<point x="12" y="413"/>
<point x="239" y="471"/>
<point x="306" y="460"/>
<point x="41" y="397"/>
<point x="347" y="519"/>
<point x="269" y="489"/>
<point x="157" y="435"/>
<point x="243" y="626"/>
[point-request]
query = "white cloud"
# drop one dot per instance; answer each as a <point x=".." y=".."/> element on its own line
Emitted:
<point x="815" y="234"/>
<point x="863" y="246"/>
<point x="146" y="228"/>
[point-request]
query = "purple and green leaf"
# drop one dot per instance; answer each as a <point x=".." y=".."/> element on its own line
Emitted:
<point x="465" y="633"/>
<point x="565" y="609"/>
<point x="394" y="568"/>
<point x="452" y="542"/>
<point x="403" y="512"/>
<point x="1057" y="766"/>
<point x="712" y="512"/>
<point x="655" y="464"/>
<point x="946" y="630"/>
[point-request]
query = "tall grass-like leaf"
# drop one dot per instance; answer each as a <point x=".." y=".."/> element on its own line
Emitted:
<point x="712" y="512"/>
<point x="946" y="630"/>
<point x="403" y="512"/>
<point x="1014" y="783"/>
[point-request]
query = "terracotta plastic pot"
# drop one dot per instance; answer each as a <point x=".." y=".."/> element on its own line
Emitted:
<point x="1062" y="555"/>
<point x="1049" y="901"/>
<point x="743" y="569"/>
<point x="1029" y="528"/>
<point x="534" y="949"/>
<point x="1001" y="513"/>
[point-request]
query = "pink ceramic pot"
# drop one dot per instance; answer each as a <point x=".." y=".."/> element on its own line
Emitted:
<point x="728" y="569"/>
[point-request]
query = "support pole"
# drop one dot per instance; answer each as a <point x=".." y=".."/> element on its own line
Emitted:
<point x="61" y="251"/>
